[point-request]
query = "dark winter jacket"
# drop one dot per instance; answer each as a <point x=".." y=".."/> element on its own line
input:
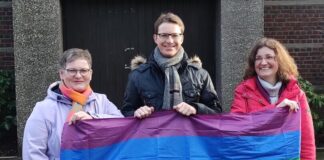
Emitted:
<point x="146" y="87"/>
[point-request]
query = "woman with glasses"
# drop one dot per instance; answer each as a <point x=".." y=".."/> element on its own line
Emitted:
<point x="169" y="80"/>
<point x="270" y="81"/>
<point x="68" y="100"/>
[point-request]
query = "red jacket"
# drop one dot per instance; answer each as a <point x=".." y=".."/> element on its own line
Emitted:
<point x="248" y="98"/>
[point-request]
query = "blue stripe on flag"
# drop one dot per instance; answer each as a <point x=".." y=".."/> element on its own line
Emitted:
<point x="281" y="146"/>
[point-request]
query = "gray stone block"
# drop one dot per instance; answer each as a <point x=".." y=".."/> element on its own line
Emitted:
<point x="241" y="25"/>
<point x="37" y="46"/>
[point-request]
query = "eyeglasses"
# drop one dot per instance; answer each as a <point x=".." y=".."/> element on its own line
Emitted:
<point x="174" y="36"/>
<point x="73" y="72"/>
<point x="259" y="59"/>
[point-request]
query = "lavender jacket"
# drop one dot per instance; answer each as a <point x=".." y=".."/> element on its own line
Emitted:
<point x="42" y="135"/>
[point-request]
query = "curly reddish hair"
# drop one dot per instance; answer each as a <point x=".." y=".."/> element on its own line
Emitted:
<point x="286" y="64"/>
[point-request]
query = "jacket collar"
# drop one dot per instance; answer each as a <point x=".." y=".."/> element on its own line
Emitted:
<point x="183" y="65"/>
<point x="291" y="88"/>
<point x="251" y="84"/>
<point x="139" y="60"/>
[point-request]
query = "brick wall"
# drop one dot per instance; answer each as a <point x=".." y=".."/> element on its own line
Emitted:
<point x="300" y="26"/>
<point x="6" y="36"/>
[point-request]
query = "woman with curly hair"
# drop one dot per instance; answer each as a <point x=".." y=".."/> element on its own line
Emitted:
<point x="270" y="80"/>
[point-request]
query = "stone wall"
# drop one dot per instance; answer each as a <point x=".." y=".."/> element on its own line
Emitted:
<point x="241" y="25"/>
<point x="37" y="47"/>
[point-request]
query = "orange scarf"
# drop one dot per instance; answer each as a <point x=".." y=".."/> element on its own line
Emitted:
<point x="79" y="99"/>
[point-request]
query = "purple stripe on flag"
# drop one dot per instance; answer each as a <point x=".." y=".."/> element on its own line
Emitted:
<point x="102" y="132"/>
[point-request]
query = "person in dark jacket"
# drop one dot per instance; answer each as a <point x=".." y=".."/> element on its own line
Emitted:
<point x="169" y="79"/>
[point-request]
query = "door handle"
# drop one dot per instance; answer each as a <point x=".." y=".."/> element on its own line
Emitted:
<point x="128" y="49"/>
<point x="126" y="66"/>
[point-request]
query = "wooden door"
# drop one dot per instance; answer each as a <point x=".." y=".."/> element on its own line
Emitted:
<point x="114" y="31"/>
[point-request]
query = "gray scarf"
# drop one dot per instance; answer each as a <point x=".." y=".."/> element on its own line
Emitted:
<point x="272" y="90"/>
<point x="172" y="87"/>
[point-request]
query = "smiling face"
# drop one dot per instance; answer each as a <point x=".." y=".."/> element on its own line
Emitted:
<point x="77" y="75"/>
<point x="266" y="65"/>
<point x="169" y="45"/>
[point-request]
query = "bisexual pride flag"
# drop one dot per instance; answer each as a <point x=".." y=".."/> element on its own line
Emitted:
<point x="268" y="135"/>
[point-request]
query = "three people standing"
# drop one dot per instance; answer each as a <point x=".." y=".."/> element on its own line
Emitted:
<point x="169" y="80"/>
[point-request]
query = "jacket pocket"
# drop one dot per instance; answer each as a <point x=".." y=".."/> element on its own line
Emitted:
<point x="191" y="96"/>
<point x="150" y="98"/>
<point x="254" y="103"/>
